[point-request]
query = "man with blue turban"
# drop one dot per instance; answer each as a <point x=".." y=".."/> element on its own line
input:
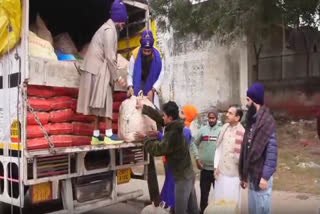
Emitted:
<point x="145" y="68"/>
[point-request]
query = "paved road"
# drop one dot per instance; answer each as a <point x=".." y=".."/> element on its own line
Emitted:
<point x="282" y="202"/>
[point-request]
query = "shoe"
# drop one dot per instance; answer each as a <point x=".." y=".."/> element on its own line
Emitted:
<point x="97" y="140"/>
<point x="114" y="139"/>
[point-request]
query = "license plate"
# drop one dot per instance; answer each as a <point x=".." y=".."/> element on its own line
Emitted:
<point x="123" y="176"/>
<point x="41" y="192"/>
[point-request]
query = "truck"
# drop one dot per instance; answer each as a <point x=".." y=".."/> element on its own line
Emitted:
<point x="78" y="176"/>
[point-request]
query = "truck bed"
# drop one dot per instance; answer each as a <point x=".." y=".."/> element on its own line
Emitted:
<point x="88" y="148"/>
<point x="43" y="72"/>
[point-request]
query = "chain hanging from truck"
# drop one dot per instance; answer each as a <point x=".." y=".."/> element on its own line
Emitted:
<point x="45" y="133"/>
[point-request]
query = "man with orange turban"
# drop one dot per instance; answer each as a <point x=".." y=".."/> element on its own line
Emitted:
<point x="188" y="113"/>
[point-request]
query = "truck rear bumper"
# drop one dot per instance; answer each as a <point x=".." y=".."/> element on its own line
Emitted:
<point x="92" y="205"/>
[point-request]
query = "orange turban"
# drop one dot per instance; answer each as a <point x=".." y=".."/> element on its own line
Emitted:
<point x="190" y="113"/>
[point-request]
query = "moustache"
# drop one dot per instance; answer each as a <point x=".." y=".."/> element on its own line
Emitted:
<point x="147" y="58"/>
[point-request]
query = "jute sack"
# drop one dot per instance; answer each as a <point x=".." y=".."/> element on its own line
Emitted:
<point x="131" y="120"/>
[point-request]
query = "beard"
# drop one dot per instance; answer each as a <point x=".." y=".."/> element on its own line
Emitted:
<point x="146" y="63"/>
<point x="212" y="124"/>
<point x="250" y="117"/>
<point x="146" y="59"/>
<point x="118" y="29"/>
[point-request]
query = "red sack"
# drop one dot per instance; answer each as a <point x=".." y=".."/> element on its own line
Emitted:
<point x="40" y="91"/>
<point x="83" y="118"/>
<point x="34" y="131"/>
<point x="71" y="92"/>
<point x="119" y="96"/>
<point x="58" y="103"/>
<point x="42" y="143"/>
<point x="43" y="117"/>
<point x="37" y="143"/>
<point x="81" y="140"/>
<point x="62" y="140"/>
<point x="39" y="104"/>
<point x="82" y="129"/>
<point x="74" y="105"/>
<point x="115" y="116"/>
<point x="61" y="116"/>
<point x="116" y="106"/>
<point x="59" y="128"/>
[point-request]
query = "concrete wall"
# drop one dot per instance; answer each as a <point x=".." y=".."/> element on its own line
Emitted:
<point x="292" y="86"/>
<point x="293" y="103"/>
<point x="203" y="73"/>
<point x="289" y="61"/>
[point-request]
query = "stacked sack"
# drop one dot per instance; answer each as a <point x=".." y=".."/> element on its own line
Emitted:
<point x="56" y="110"/>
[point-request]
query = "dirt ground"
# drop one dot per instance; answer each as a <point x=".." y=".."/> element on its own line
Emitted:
<point x="298" y="159"/>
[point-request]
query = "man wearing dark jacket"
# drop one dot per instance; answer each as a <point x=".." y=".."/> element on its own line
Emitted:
<point x="259" y="151"/>
<point x="174" y="146"/>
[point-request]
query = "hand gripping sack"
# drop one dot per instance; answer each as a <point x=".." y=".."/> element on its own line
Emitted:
<point x="131" y="120"/>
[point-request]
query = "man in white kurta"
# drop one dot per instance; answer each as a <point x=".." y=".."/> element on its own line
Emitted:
<point x="227" y="185"/>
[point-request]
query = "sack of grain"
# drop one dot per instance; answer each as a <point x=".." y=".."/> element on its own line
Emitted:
<point x="131" y="120"/>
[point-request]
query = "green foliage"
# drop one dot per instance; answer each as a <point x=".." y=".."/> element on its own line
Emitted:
<point x="232" y="19"/>
<point x="301" y="13"/>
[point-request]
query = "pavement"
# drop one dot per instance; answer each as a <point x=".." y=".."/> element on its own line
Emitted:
<point x="282" y="202"/>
